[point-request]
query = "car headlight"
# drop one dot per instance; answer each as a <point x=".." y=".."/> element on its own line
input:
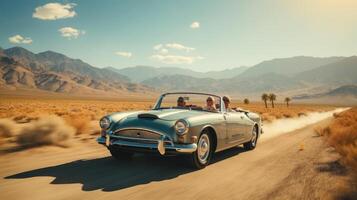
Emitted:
<point x="181" y="127"/>
<point x="105" y="123"/>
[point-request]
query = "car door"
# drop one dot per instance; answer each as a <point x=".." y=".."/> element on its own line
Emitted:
<point x="235" y="126"/>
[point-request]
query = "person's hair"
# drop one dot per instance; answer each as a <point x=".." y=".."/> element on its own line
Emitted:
<point x="180" y="99"/>
<point x="226" y="98"/>
<point x="210" y="98"/>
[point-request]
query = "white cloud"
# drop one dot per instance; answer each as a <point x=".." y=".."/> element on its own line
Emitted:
<point x="175" y="59"/>
<point x="158" y="47"/>
<point x="70" y="32"/>
<point x="53" y="11"/>
<point x="195" y="25"/>
<point x="124" y="54"/>
<point x="179" y="47"/>
<point x="164" y="51"/>
<point x="18" y="39"/>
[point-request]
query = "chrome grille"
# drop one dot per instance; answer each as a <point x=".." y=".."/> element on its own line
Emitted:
<point x="138" y="134"/>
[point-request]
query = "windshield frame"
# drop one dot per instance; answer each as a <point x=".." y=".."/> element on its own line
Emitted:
<point x="159" y="101"/>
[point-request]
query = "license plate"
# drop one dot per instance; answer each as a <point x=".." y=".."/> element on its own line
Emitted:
<point x="107" y="140"/>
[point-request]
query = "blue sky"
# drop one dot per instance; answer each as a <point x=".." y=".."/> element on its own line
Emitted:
<point x="225" y="33"/>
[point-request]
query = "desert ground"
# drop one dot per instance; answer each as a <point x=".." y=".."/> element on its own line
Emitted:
<point x="300" y="162"/>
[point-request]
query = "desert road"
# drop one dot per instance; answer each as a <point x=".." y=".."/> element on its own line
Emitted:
<point x="295" y="165"/>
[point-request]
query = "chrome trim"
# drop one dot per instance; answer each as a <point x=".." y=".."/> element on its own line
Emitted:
<point x="166" y="138"/>
<point x="181" y="148"/>
<point x="142" y="129"/>
<point x="142" y="139"/>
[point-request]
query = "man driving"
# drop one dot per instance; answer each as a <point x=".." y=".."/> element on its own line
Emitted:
<point x="181" y="102"/>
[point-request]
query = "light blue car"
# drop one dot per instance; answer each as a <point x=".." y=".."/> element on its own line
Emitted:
<point x="180" y="123"/>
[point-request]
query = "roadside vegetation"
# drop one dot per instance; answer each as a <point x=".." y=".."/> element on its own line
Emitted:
<point x="341" y="134"/>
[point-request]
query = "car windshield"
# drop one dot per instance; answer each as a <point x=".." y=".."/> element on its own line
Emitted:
<point x="189" y="101"/>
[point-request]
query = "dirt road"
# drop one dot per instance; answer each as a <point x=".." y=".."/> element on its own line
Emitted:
<point x="294" y="165"/>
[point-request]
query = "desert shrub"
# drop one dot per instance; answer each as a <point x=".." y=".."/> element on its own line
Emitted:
<point x="321" y="131"/>
<point x="24" y="119"/>
<point x="47" y="130"/>
<point x="7" y="128"/>
<point x="341" y="134"/>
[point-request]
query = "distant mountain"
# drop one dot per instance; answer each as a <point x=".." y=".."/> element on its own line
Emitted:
<point x="340" y="92"/>
<point x="341" y="72"/>
<point x="51" y="71"/>
<point x="56" y="72"/>
<point x="143" y="73"/>
<point x="182" y="82"/>
<point x="266" y="82"/>
<point x="224" y="74"/>
<point x="288" y="66"/>
<point x="56" y="62"/>
<point x="346" y="90"/>
<point x="269" y="82"/>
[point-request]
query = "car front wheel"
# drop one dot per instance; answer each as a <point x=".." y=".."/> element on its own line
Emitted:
<point x="202" y="156"/>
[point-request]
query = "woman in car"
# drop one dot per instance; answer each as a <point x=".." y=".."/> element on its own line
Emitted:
<point x="210" y="104"/>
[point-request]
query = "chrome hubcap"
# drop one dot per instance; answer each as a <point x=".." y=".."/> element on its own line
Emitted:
<point x="203" y="149"/>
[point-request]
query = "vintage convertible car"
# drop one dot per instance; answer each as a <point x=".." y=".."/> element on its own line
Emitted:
<point x="189" y="129"/>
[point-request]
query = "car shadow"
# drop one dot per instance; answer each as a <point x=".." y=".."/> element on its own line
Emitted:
<point x="109" y="174"/>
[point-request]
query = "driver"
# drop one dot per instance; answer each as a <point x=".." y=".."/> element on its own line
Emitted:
<point x="181" y="102"/>
<point x="210" y="106"/>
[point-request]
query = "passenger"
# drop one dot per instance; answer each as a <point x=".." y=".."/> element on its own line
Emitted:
<point x="181" y="102"/>
<point x="211" y="106"/>
<point x="227" y="101"/>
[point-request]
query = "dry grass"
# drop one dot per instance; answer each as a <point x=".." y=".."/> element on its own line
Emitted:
<point x="79" y="111"/>
<point x="281" y="110"/>
<point x="341" y="134"/>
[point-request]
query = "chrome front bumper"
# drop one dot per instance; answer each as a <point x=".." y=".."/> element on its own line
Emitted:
<point x="161" y="146"/>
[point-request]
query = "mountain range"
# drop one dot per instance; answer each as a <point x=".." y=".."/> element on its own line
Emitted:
<point x="51" y="71"/>
<point x="142" y="73"/>
<point x="345" y="95"/>
<point x="299" y="74"/>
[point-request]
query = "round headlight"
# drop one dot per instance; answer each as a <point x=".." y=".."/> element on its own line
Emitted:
<point x="181" y="127"/>
<point x="105" y="123"/>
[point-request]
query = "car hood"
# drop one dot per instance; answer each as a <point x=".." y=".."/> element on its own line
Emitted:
<point x="157" y="120"/>
<point x="164" y="114"/>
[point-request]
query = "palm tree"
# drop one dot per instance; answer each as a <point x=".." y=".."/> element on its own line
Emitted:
<point x="272" y="98"/>
<point x="287" y="100"/>
<point x="246" y="101"/>
<point x="265" y="98"/>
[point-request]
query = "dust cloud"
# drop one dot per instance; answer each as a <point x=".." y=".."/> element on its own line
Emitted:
<point x="281" y="126"/>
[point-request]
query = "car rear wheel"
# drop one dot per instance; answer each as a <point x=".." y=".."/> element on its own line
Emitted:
<point x="253" y="142"/>
<point x="202" y="156"/>
<point x="120" y="154"/>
